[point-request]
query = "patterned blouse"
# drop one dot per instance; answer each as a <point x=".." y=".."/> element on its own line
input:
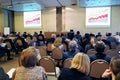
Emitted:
<point x="32" y="73"/>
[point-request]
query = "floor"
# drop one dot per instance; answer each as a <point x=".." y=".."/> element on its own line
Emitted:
<point x="7" y="65"/>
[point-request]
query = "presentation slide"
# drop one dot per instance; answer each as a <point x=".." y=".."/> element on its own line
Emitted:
<point x="32" y="19"/>
<point x="98" y="17"/>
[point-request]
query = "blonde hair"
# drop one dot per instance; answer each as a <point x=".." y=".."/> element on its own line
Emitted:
<point x="93" y="41"/>
<point x="81" y="62"/>
<point x="57" y="42"/>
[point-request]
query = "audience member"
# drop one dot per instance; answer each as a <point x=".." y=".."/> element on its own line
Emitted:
<point x="117" y="36"/>
<point x="114" y="69"/>
<point x="58" y="43"/>
<point x="99" y="47"/>
<point x="111" y="39"/>
<point x="72" y="46"/>
<point x="34" y="42"/>
<point x="91" y="44"/>
<point x="28" y="69"/>
<point x="71" y="34"/>
<point x="41" y="39"/>
<point x="4" y="49"/>
<point x="23" y="44"/>
<point x="51" y="39"/>
<point x="86" y="39"/>
<point x="78" y="37"/>
<point x="28" y="40"/>
<point x="79" y="69"/>
<point x="35" y="34"/>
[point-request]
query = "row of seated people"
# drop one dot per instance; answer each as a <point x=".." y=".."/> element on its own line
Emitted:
<point x="57" y="41"/>
<point x="28" y="68"/>
<point x="81" y="40"/>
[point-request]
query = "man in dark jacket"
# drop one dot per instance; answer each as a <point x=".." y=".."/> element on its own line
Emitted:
<point x="99" y="47"/>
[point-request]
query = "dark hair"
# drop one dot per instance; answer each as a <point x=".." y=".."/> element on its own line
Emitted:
<point x="28" y="57"/>
<point x="78" y="32"/>
<point x="100" y="46"/>
<point x="115" y="66"/>
<point x="41" y="32"/>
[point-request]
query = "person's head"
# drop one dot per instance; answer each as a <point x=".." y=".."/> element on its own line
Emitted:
<point x="115" y="66"/>
<point x="71" y="30"/>
<point x="40" y="32"/>
<point x="72" y="45"/>
<point x="81" y="62"/>
<point x="34" y="38"/>
<point x="100" y="46"/>
<point x="53" y="35"/>
<point x="78" y="32"/>
<point x="28" y="57"/>
<point x="92" y="41"/>
<point x="109" y="34"/>
<point x="57" y="42"/>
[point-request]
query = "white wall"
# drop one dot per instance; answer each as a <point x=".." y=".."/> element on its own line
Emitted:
<point x="73" y="18"/>
<point x="48" y="22"/>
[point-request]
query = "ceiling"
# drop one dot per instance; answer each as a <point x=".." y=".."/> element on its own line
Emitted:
<point x="33" y="5"/>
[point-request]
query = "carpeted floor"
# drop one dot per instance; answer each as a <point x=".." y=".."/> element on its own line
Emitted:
<point x="7" y="65"/>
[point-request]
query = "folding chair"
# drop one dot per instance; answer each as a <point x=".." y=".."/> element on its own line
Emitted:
<point x="49" y="65"/>
<point x="67" y="63"/>
<point x="97" y="68"/>
<point x="57" y="55"/>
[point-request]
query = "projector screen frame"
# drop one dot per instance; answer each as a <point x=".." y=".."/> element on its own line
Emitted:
<point x="100" y="25"/>
<point x="29" y="15"/>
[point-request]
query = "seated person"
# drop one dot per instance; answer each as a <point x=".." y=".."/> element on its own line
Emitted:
<point x="58" y="44"/>
<point x="91" y="44"/>
<point x="4" y="49"/>
<point x="99" y="47"/>
<point x="51" y="39"/>
<point x="20" y="43"/>
<point x="79" y="69"/>
<point x="72" y="46"/>
<point x="34" y="42"/>
<point x="28" y="69"/>
<point x="114" y="69"/>
<point x="41" y="39"/>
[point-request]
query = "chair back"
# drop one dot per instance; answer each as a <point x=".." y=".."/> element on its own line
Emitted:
<point x="49" y="47"/>
<point x="48" y="64"/>
<point x="57" y="54"/>
<point x="97" y="68"/>
<point x="113" y="45"/>
<point x="19" y="42"/>
<point x="118" y="47"/>
<point x="67" y="63"/>
<point x="8" y="44"/>
<point x="42" y="50"/>
<point x="91" y="51"/>
<point x="111" y="52"/>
